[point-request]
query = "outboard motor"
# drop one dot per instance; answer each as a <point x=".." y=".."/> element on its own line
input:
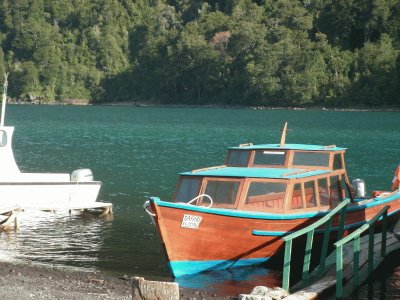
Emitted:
<point x="359" y="188"/>
<point x="82" y="175"/>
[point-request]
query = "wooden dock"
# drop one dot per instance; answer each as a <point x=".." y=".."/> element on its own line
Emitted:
<point x="322" y="282"/>
<point x="8" y="217"/>
<point x="354" y="258"/>
<point x="105" y="208"/>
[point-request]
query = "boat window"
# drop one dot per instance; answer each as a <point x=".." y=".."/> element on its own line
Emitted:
<point x="309" y="191"/>
<point x="337" y="162"/>
<point x="323" y="191"/>
<point x="188" y="189"/>
<point x="3" y="138"/>
<point x="311" y="159"/>
<point x="297" y="202"/>
<point x="238" y="158"/>
<point x="335" y="194"/>
<point x="343" y="189"/>
<point x="266" y="194"/>
<point x="271" y="158"/>
<point x="223" y="192"/>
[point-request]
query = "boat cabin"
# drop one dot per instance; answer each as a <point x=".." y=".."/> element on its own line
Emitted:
<point x="289" y="156"/>
<point x="270" y="178"/>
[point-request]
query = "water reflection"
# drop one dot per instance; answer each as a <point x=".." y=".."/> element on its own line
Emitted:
<point x="58" y="238"/>
<point x="233" y="281"/>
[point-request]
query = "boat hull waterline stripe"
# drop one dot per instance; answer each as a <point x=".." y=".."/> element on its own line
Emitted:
<point x="180" y="268"/>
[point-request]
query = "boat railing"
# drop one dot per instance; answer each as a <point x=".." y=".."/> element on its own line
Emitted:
<point x="355" y="237"/>
<point x="325" y="221"/>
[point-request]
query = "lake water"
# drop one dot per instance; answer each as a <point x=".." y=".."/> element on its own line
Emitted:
<point x="137" y="152"/>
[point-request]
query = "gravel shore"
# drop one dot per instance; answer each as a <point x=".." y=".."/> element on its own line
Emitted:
<point x="28" y="281"/>
<point x="31" y="281"/>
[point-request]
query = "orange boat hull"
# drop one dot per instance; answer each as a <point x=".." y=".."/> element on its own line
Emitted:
<point x="199" y="239"/>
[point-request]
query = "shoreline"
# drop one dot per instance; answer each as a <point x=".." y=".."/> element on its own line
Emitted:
<point x="29" y="280"/>
<point x="214" y="106"/>
<point x="25" y="280"/>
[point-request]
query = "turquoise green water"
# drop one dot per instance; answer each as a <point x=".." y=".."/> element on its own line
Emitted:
<point x="137" y="152"/>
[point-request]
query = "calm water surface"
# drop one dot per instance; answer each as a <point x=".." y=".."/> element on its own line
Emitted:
<point x="137" y="152"/>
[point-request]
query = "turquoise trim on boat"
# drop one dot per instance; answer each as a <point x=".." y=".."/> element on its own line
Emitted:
<point x="283" y="233"/>
<point x="237" y="213"/>
<point x="376" y="201"/>
<point x="180" y="268"/>
<point x="268" y="216"/>
<point x="275" y="173"/>
<point x="270" y="233"/>
<point x="290" y="147"/>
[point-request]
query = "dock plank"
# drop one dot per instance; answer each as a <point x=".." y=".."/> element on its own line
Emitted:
<point x="106" y="207"/>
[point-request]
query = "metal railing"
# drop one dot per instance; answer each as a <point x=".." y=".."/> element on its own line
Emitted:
<point x="355" y="237"/>
<point x="310" y="230"/>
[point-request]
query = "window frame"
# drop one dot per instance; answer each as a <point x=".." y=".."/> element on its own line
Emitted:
<point x="331" y="204"/>
<point x="253" y="156"/>
<point x="179" y="184"/>
<point x="318" y="191"/>
<point x="245" y="190"/>
<point x="328" y="167"/>
<point x="225" y="179"/>
<point x="236" y="165"/>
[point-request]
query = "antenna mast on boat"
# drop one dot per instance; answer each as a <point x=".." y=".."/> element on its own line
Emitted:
<point x="3" y="104"/>
<point x="283" y="137"/>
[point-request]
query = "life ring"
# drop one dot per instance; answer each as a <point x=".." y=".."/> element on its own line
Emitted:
<point x="396" y="179"/>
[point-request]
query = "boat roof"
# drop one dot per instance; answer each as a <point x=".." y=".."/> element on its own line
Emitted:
<point x="289" y="147"/>
<point x="272" y="173"/>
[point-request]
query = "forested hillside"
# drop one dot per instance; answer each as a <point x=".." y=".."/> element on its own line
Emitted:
<point x="234" y="52"/>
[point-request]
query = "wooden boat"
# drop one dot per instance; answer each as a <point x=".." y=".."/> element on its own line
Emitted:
<point x="45" y="191"/>
<point x="236" y="214"/>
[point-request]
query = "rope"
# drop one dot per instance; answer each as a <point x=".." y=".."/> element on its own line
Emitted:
<point x="145" y="206"/>
<point x="202" y="195"/>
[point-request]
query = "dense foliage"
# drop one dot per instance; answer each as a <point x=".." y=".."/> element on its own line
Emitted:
<point x="234" y="52"/>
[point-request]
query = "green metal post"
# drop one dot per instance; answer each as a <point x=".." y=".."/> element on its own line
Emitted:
<point x="341" y="224"/>
<point x="355" y="236"/>
<point x="286" y="265"/>
<point x="307" y="257"/>
<point x="309" y="230"/>
<point x="325" y="244"/>
<point x="384" y="228"/>
<point x="371" y="243"/>
<point x="339" y="271"/>
<point x="356" y="261"/>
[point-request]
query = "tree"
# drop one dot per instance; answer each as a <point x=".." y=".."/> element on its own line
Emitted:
<point x="350" y="23"/>
<point x="247" y="52"/>
<point x="374" y="80"/>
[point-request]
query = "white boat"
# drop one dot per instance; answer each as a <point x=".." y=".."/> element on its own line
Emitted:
<point x="44" y="191"/>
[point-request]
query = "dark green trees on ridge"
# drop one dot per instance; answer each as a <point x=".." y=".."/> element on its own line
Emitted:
<point x="234" y="52"/>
